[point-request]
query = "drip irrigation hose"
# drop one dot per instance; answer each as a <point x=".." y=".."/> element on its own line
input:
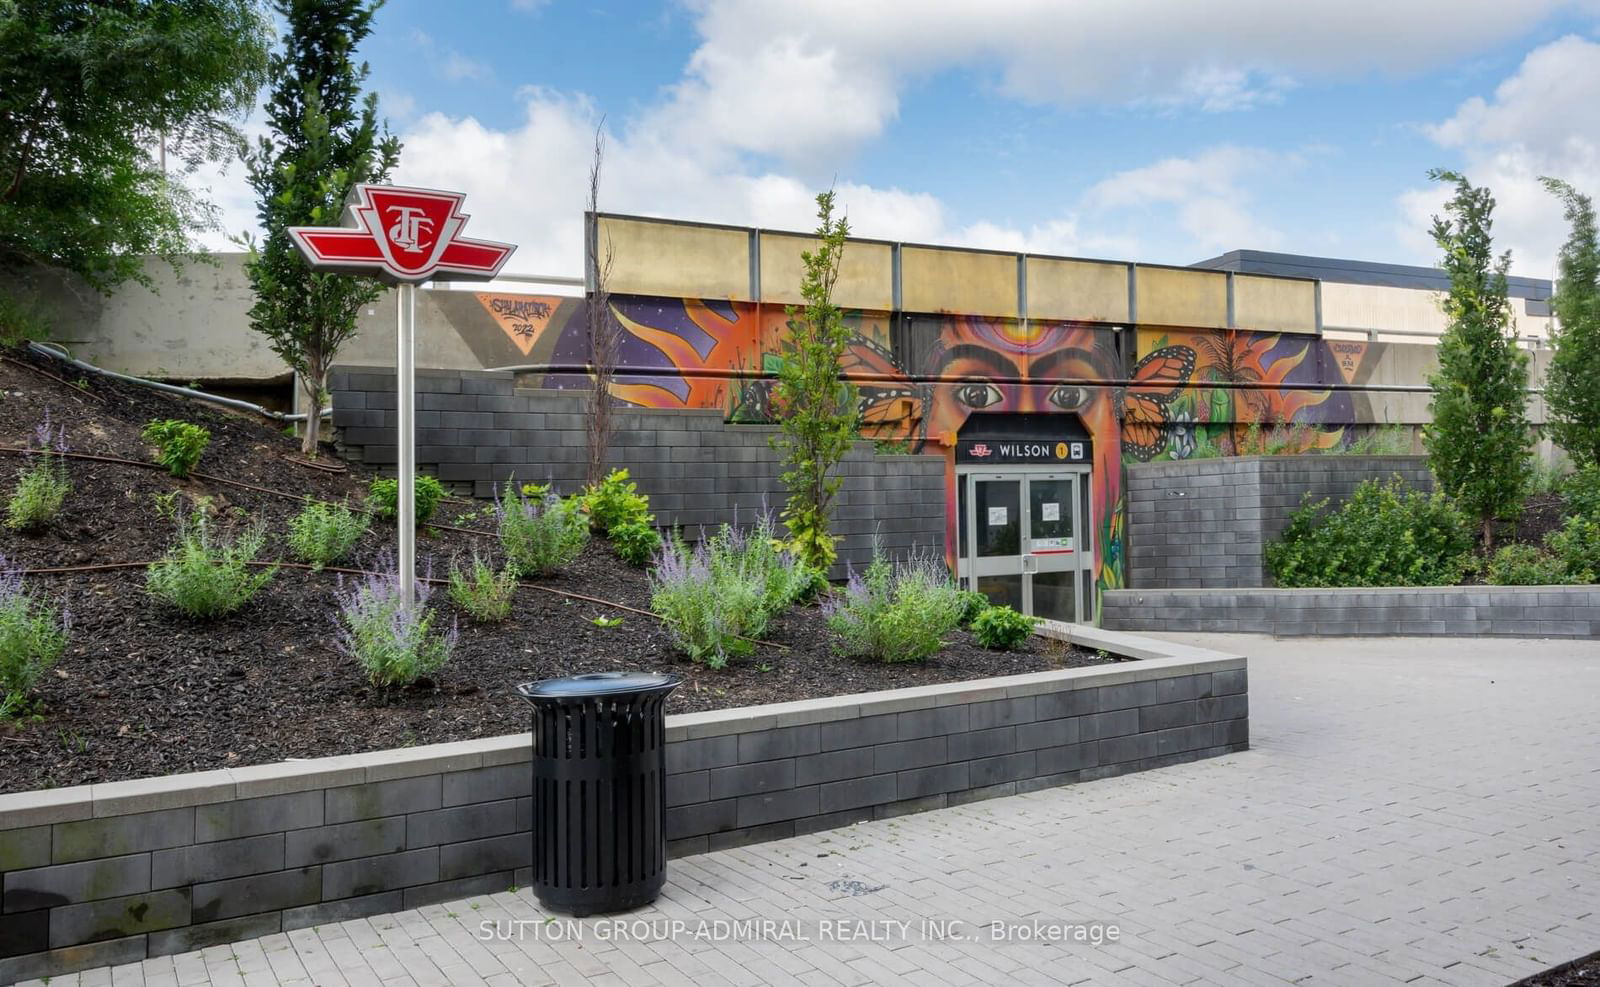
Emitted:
<point x="103" y="566"/>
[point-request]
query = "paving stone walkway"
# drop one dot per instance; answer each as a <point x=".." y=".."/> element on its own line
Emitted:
<point x="1418" y="811"/>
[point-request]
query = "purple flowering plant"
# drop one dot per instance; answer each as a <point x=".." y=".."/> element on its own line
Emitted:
<point x="393" y="643"/>
<point x="32" y="637"/>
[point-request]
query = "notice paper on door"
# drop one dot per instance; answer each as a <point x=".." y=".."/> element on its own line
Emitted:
<point x="997" y="516"/>
<point x="1049" y="512"/>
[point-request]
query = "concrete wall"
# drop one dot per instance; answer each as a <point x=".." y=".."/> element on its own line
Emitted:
<point x="1447" y="611"/>
<point x="1204" y="522"/>
<point x="476" y="429"/>
<point x="194" y="325"/>
<point x="109" y="874"/>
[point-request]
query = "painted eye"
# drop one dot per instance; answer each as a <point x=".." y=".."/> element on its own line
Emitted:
<point x="979" y="395"/>
<point x="1069" y="398"/>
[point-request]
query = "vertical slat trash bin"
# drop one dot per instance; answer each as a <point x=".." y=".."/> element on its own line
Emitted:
<point x="599" y="787"/>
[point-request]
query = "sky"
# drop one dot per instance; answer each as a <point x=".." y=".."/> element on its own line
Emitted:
<point x="1163" y="131"/>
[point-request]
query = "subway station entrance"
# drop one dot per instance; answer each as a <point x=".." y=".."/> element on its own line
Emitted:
<point x="1025" y="518"/>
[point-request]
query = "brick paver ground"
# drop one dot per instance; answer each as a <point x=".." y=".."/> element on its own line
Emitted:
<point x="1421" y="811"/>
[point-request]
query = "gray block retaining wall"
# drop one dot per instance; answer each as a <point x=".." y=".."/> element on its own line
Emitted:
<point x="1204" y="522"/>
<point x="1451" y="611"/>
<point x="476" y="429"/>
<point x="108" y="874"/>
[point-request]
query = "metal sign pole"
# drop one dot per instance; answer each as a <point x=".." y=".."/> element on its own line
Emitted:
<point x="405" y="367"/>
<point x="402" y="236"/>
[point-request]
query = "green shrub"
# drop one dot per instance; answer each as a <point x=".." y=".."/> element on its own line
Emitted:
<point x="43" y="485"/>
<point x="32" y="636"/>
<point x="724" y="590"/>
<point x="895" y="612"/>
<point x="1002" y="628"/>
<point x="814" y="586"/>
<point x="20" y="323"/>
<point x="1386" y="535"/>
<point x="973" y="603"/>
<point x="385" y="500"/>
<point x="1582" y="490"/>
<point x="482" y="591"/>
<point x="1525" y="565"/>
<point x="615" y="501"/>
<point x="539" y="536"/>
<point x="207" y="576"/>
<point x="324" y="533"/>
<point x="178" y="444"/>
<point x="1577" y="545"/>
<point x="394" y="644"/>
<point x="635" y="542"/>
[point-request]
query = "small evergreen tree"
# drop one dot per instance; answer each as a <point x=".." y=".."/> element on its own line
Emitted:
<point x="817" y="410"/>
<point x="325" y="140"/>
<point x="1479" y="443"/>
<point x="1572" y="385"/>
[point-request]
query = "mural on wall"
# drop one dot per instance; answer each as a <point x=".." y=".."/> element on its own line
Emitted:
<point x="1252" y="392"/>
<point x="1188" y="392"/>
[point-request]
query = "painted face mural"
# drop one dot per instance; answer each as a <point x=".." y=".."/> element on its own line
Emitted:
<point x="1189" y="392"/>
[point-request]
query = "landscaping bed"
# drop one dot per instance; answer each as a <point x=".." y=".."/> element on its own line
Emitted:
<point x="1579" y="973"/>
<point x="142" y="690"/>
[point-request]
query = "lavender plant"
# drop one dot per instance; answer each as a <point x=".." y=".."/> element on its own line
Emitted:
<point x="725" y="589"/>
<point x="206" y="575"/>
<point x="539" y="534"/>
<point x="895" y="612"/>
<point x="323" y="533"/>
<point x="43" y="485"/>
<point x="481" y="590"/>
<point x="32" y="636"/>
<point x="394" y="645"/>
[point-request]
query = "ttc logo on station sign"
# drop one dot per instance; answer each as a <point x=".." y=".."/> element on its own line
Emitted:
<point x="401" y="235"/>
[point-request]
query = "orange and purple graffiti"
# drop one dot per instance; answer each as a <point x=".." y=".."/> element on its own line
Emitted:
<point x="920" y="378"/>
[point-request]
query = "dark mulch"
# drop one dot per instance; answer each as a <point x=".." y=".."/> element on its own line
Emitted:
<point x="1580" y="973"/>
<point x="1541" y="514"/>
<point x="143" y="691"/>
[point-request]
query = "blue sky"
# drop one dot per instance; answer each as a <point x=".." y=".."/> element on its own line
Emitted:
<point x="1153" y="130"/>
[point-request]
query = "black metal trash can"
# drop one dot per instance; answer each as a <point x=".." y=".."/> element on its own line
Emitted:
<point x="599" y="790"/>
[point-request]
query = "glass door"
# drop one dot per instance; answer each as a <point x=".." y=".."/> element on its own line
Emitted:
<point x="992" y="521"/>
<point x="1024" y="542"/>
<point x="1052" y="557"/>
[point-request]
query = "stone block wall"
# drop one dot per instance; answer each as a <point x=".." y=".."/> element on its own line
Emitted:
<point x="109" y="874"/>
<point x="1204" y="522"/>
<point x="1447" y="611"/>
<point x="476" y="429"/>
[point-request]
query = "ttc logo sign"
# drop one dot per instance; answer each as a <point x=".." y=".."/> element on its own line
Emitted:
<point x="401" y="235"/>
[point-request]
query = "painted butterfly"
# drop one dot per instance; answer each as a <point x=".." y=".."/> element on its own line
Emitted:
<point x="1142" y="405"/>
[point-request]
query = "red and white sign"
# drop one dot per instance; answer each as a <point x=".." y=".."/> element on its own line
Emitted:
<point x="401" y="235"/>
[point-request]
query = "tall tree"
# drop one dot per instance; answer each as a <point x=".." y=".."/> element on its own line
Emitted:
<point x="817" y="410"/>
<point x="92" y="97"/>
<point x="601" y="326"/>
<point x="325" y="140"/>
<point x="1479" y="443"/>
<point x="1572" y="385"/>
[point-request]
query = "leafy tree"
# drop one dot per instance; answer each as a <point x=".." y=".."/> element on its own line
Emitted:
<point x="1479" y="443"/>
<point x="1572" y="385"/>
<point x="90" y="93"/>
<point x="818" y="417"/>
<point x="325" y="140"/>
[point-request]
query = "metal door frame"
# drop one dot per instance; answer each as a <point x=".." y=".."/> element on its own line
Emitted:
<point x="1083" y="532"/>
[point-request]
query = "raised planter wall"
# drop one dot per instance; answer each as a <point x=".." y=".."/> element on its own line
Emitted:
<point x="108" y="874"/>
<point x="1204" y="522"/>
<point x="1450" y="611"/>
<point x="476" y="429"/>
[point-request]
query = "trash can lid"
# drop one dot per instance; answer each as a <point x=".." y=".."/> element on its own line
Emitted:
<point x="598" y="684"/>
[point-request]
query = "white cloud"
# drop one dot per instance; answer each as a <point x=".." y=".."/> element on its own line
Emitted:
<point x="851" y="58"/>
<point x="1542" y="120"/>
<point x="446" y="61"/>
<point x="779" y="92"/>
